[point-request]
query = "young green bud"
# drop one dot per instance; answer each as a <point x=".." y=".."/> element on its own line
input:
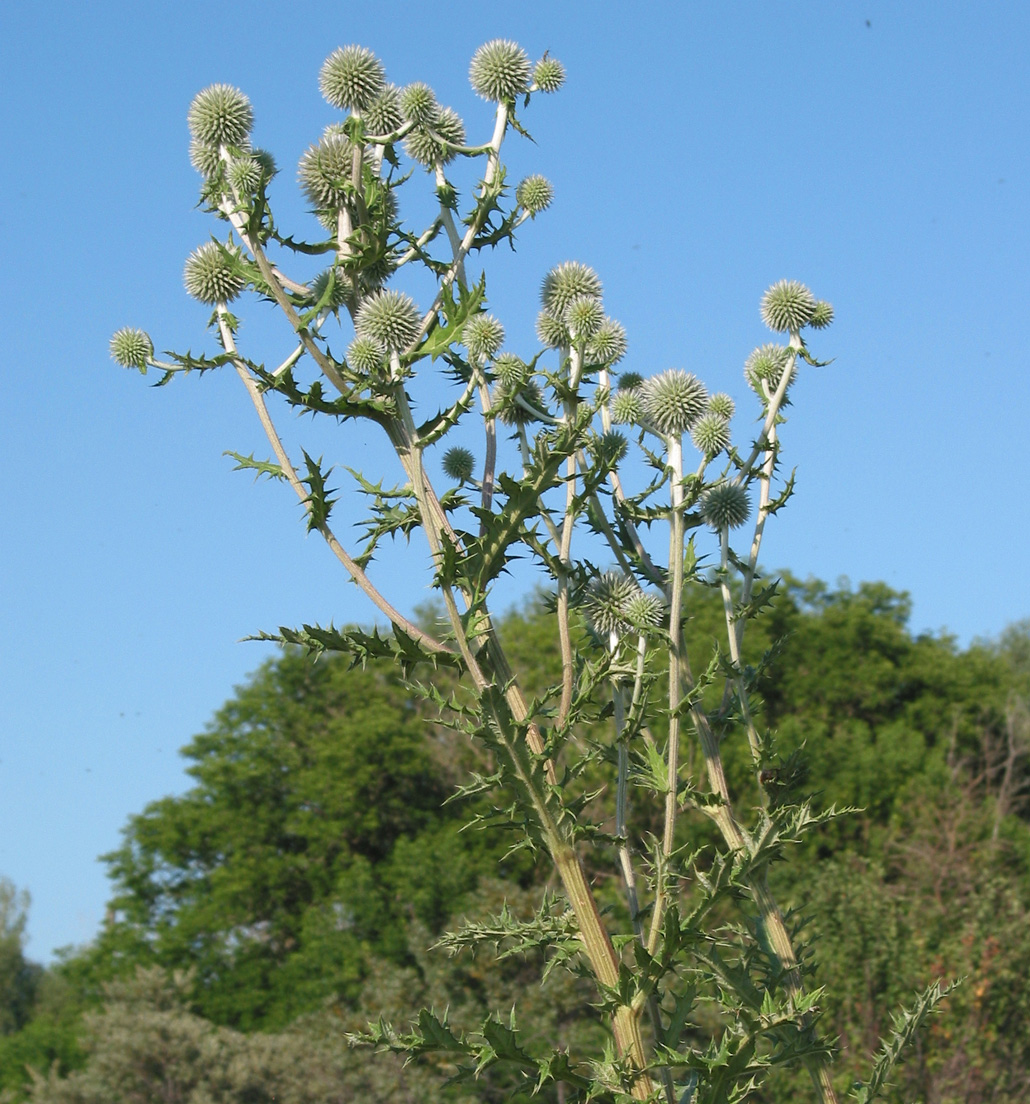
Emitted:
<point x="499" y="70"/>
<point x="423" y="147"/>
<point x="341" y="287"/>
<point x="606" y="600"/>
<point x="608" y="345"/>
<point x="722" y="405"/>
<point x="583" y="317"/>
<point x="326" y="170"/>
<point x="418" y="104"/>
<point x="366" y="355"/>
<point x="566" y="282"/>
<point x="822" y="316"/>
<point x="389" y="317"/>
<point x="132" y="348"/>
<point x="511" y="371"/>
<point x="629" y="381"/>
<point x="673" y="401"/>
<point x="609" y="450"/>
<point x="351" y="77"/>
<point x="514" y="413"/>
<point x="484" y="335"/>
<point x="627" y="407"/>
<point x="535" y="194"/>
<point x="548" y="74"/>
<point x="245" y="175"/>
<point x="766" y="363"/>
<point x="725" y="506"/>
<point x="710" y="434"/>
<point x="644" y="611"/>
<point x="551" y="330"/>
<point x="787" y="306"/>
<point x="383" y="115"/>
<point x="205" y="158"/>
<point x="458" y="464"/>
<point x="212" y="274"/>
<point x="221" y="116"/>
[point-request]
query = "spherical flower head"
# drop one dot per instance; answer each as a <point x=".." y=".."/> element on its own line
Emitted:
<point x="340" y="290"/>
<point x="566" y="282"/>
<point x="552" y="330"/>
<point x="629" y="381"/>
<point x="721" y="404"/>
<point x="220" y="116"/>
<point x="608" y="345"/>
<point x="511" y="371"/>
<point x="644" y="611"/>
<point x="534" y="194"/>
<point x="458" y="464"/>
<point x="422" y="144"/>
<point x="725" y="506"/>
<point x="609" y="450"/>
<point x="205" y="158"/>
<point x="351" y="78"/>
<point x="245" y="175"/>
<point x="766" y="364"/>
<point x="499" y="70"/>
<point x="132" y="348"/>
<point x="389" y="317"/>
<point x="673" y="401"/>
<point x="383" y="115"/>
<point x="548" y="74"/>
<point x="787" y="307"/>
<point x="710" y="434"/>
<point x="366" y="355"/>
<point x="583" y="317"/>
<point x="483" y="335"/>
<point x="326" y="170"/>
<point x="606" y="600"/>
<point x="822" y="316"/>
<point x="522" y="413"/>
<point x="418" y="104"/>
<point x="212" y="274"/>
<point x="627" y="408"/>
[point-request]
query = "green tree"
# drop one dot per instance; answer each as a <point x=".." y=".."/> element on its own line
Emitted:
<point x="18" y="977"/>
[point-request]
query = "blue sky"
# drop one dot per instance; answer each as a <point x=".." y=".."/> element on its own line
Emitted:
<point x="699" y="152"/>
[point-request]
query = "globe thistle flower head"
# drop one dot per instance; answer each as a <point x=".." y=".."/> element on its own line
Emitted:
<point x="725" y="506"/>
<point x="552" y="330"/>
<point x="606" y="600"/>
<point x="483" y="335"/>
<point x="514" y="413"/>
<point x="341" y="288"/>
<point x="511" y="371"/>
<point x="132" y="348"/>
<point x="822" y="316"/>
<point x="458" y="464"/>
<point x="710" y="434"/>
<point x="220" y="116"/>
<point x="389" y="317"/>
<point x="383" y="115"/>
<point x="609" y="450"/>
<point x="627" y="407"/>
<point x="423" y="145"/>
<point x="721" y="404"/>
<point x="418" y="104"/>
<point x="644" y="611"/>
<point x="548" y="74"/>
<point x="212" y="274"/>
<point x="608" y="345"/>
<point x="326" y="170"/>
<point x="630" y="381"/>
<point x="583" y="317"/>
<point x="366" y="355"/>
<point x="205" y="158"/>
<point x="534" y="194"/>
<point x="245" y="175"/>
<point x="499" y="70"/>
<point x="566" y="282"/>
<point x="351" y="78"/>
<point x="673" y="401"/>
<point x="766" y="364"/>
<point x="787" y="307"/>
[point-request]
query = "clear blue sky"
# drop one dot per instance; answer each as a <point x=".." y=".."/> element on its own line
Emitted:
<point x="876" y="151"/>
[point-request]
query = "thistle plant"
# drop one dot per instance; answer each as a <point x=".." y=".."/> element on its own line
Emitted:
<point x="564" y="434"/>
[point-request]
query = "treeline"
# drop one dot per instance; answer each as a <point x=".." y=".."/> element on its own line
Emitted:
<point x="292" y="893"/>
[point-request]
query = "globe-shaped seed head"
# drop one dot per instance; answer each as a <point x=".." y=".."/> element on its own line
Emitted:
<point x="212" y="274"/>
<point x="766" y="364"/>
<point x="418" y="104"/>
<point x="710" y="434"/>
<point x="822" y="316"/>
<point x="566" y="282"/>
<point x="608" y="345"/>
<point x="511" y="371"/>
<point x="583" y="317"/>
<point x="132" y="348"/>
<point x="606" y="600"/>
<point x="673" y="401"/>
<point x="383" y="115"/>
<point x="220" y="116"/>
<point x="627" y="408"/>
<point x="483" y="335"/>
<point x="389" y="317"/>
<point x="458" y="464"/>
<point x="721" y="404"/>
<point x="534" y="194"/>
<point x="499" y="70"/>
<point x="515" y="413"/>
<point x="787" y="307"/>
<point x="725" y="506"/>
<point x="552" y="330"/>
<point x="366" y="355"/>
<point x="548" y="74"/>
<point x="351" y="77"/>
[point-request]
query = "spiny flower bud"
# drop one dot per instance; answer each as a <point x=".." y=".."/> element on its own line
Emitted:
<point x="220" y="116"/>
<point x="608" y="345"/>
<point x="766" y="363"/>
<point x="644" y="611"/>
<point x="204" y="157"/>
<point x="535" y="194"/>
<point x="514" y="413"/>
<point x="548" y="74"/>
<point x="606" y="601"/>
<point x="721" y="404"/>
<point x="710" y="434"/>
<point x="389" y="317"/>
<point x="423" y="147"/>
<point x="326" y="170"/>
<point x="628" y="381"/>
<point x="351" y="77"/>
<point x="725" y="506"/>
<point x="484" y="335"/>
<point x="341" y="288"/>
<point x="609" y="450"/>
<point x="366" y="355"/>
<point x="673" y="401"/>
<point x="552" y="331"/>
<point x="627" y="408"/>
<point x="787" y="306"/>
<point x="132" y="348"/>
<point x="583" y="316"/>
<point x="212" y="274"/>
<point x="822" y="316"/>
<point x="511" y="371"/>
<point x="383" y="115"/>
<point x="566" y="282"/>
<point x="499" y="70"/>
<point x="458" y="464"/>
<point x="418" y="104"/>
<point x="245" y="175"/>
